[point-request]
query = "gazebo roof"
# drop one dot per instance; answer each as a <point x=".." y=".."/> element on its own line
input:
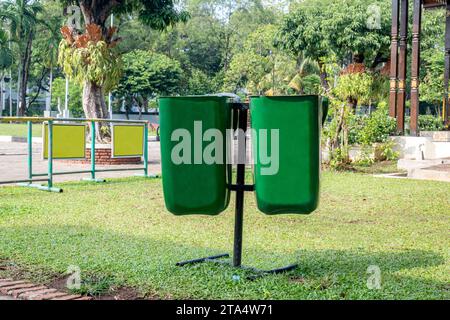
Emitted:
<point x="434" y="3"/>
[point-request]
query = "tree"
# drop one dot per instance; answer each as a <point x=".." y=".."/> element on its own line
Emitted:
<point x="6" y="56"/>
<point x="90" y="57"/>
<point x="147" y="75"/>
<point x="22" y="16"/>
<point x="6" y="60"/>
<point x="199" y="83"/>
<point x="75" y="96"/>
<point x="259" y="67"/>
<point x="302" y="33"/>
<point x="432" y="58"/>
<point x="45" y="54"/>
<point x="340" y="30"/>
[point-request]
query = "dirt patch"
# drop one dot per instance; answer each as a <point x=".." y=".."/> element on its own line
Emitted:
<point x="298" y="280"/>
<point x="356" y="221"/>
<point x="59" y="282"/>
<point x="113" y="293"/>
<point x="124" y="293"/>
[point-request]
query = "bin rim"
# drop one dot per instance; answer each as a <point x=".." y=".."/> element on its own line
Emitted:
<point x="194" y="96"/>
<point x="288" y="96"/>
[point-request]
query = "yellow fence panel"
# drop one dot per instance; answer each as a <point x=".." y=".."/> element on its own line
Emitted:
<point x="69" y="141"/>
<point x="127" y="141"/>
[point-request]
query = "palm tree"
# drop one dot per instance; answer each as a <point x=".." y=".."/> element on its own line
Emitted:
<point x="21" y="16"/>
<point x="6" y="60"/>
<point x="305" y="67"/>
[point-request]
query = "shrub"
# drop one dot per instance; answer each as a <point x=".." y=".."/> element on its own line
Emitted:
<point x="339" y="158"/>
<point x="378" y="127"/>
<point x="430" y="123"/>
<point x="385" y="151"/>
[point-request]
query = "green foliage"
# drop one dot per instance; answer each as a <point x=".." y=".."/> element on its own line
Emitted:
<point x="95" y="63"/>
<point x="366" y="158"/>
<point x="432" y="86"/>
<point x="6" y="55"/>
<point x="321" y="28"/>
<point x="75" y="96"/>
<point x="260" y="68"/>
<point x="377" y="127"/>
<point x="199" y="83"/>
<point x="355" y="86"/>
<point x="148" y="74"/>
<point x="432" y="57"/>
<point x="430" y="123"/>
<point x="247" y="70"/>
<point x="339" y="159"/>
<point x="386" y="151"/>
<point x="303" y="30"/>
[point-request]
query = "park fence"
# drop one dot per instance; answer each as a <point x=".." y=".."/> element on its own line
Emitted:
<point x="65" y="138"/>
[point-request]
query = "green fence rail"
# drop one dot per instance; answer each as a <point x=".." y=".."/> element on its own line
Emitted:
<point x="34" y="177"/>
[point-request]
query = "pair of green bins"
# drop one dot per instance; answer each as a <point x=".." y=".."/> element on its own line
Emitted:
<point x="194" y="186"/>
<point x="294" y="123"/>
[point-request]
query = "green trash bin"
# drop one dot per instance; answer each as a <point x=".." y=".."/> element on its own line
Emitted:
<point x="197" y="186"/>
<point x="290" y="185"/>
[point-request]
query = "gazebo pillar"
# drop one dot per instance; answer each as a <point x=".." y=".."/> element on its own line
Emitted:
<point x="415" y="61"/>
<point x="394" y="59"/>
<point x="447" y="64"/>
<point x="401" y="94"/>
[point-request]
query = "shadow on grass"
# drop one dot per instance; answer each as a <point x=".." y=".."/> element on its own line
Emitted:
<point x="148" y="263"/>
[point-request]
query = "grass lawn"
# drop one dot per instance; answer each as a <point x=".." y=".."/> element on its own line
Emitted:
<point x="119" y="234"/>
<point x="19" y="130"/>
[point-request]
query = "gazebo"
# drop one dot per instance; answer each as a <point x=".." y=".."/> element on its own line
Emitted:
<point x="399" y="33"/>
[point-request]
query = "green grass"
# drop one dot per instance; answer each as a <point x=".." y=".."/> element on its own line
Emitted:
<point x="121" y="234"/>
<point x="19" y="130"/>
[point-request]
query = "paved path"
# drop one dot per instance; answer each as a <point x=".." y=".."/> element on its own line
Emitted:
<point x="13" y="163"/>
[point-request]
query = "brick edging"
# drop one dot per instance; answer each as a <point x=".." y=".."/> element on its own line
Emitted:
<point x="25" y="290"/>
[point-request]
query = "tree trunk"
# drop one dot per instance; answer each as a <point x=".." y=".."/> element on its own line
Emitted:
<point x="24" y="75"/>
<point x="323" y="76"/>
<point x="94" y="106"/>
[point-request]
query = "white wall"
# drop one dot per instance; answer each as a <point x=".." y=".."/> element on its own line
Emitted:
<point x="419" y="148"/>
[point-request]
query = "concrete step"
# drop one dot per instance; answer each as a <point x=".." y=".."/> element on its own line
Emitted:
<point x="438" y="173"/>
<point x="409" y="164"/>
<point x="436" y="169"/>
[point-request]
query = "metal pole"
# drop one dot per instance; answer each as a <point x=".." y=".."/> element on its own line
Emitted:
<point x="18" y="92"/>
<point x="2" y="96"/>
<point x="10" y="93"/>
<point x="109" y="94"/>
<point x="66" y="100"/>
<point x="50" y="154"/>
<point x="48" y="105"/>
<point x="240" y="182"/>
<point x="93" y="150"/>
<point x="10" y="78"/>
<point x="30" y="150"/>
<point x="146" y="149"/>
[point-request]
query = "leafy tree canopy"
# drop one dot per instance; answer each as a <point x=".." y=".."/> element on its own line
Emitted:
<point x="148" y="74"/>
